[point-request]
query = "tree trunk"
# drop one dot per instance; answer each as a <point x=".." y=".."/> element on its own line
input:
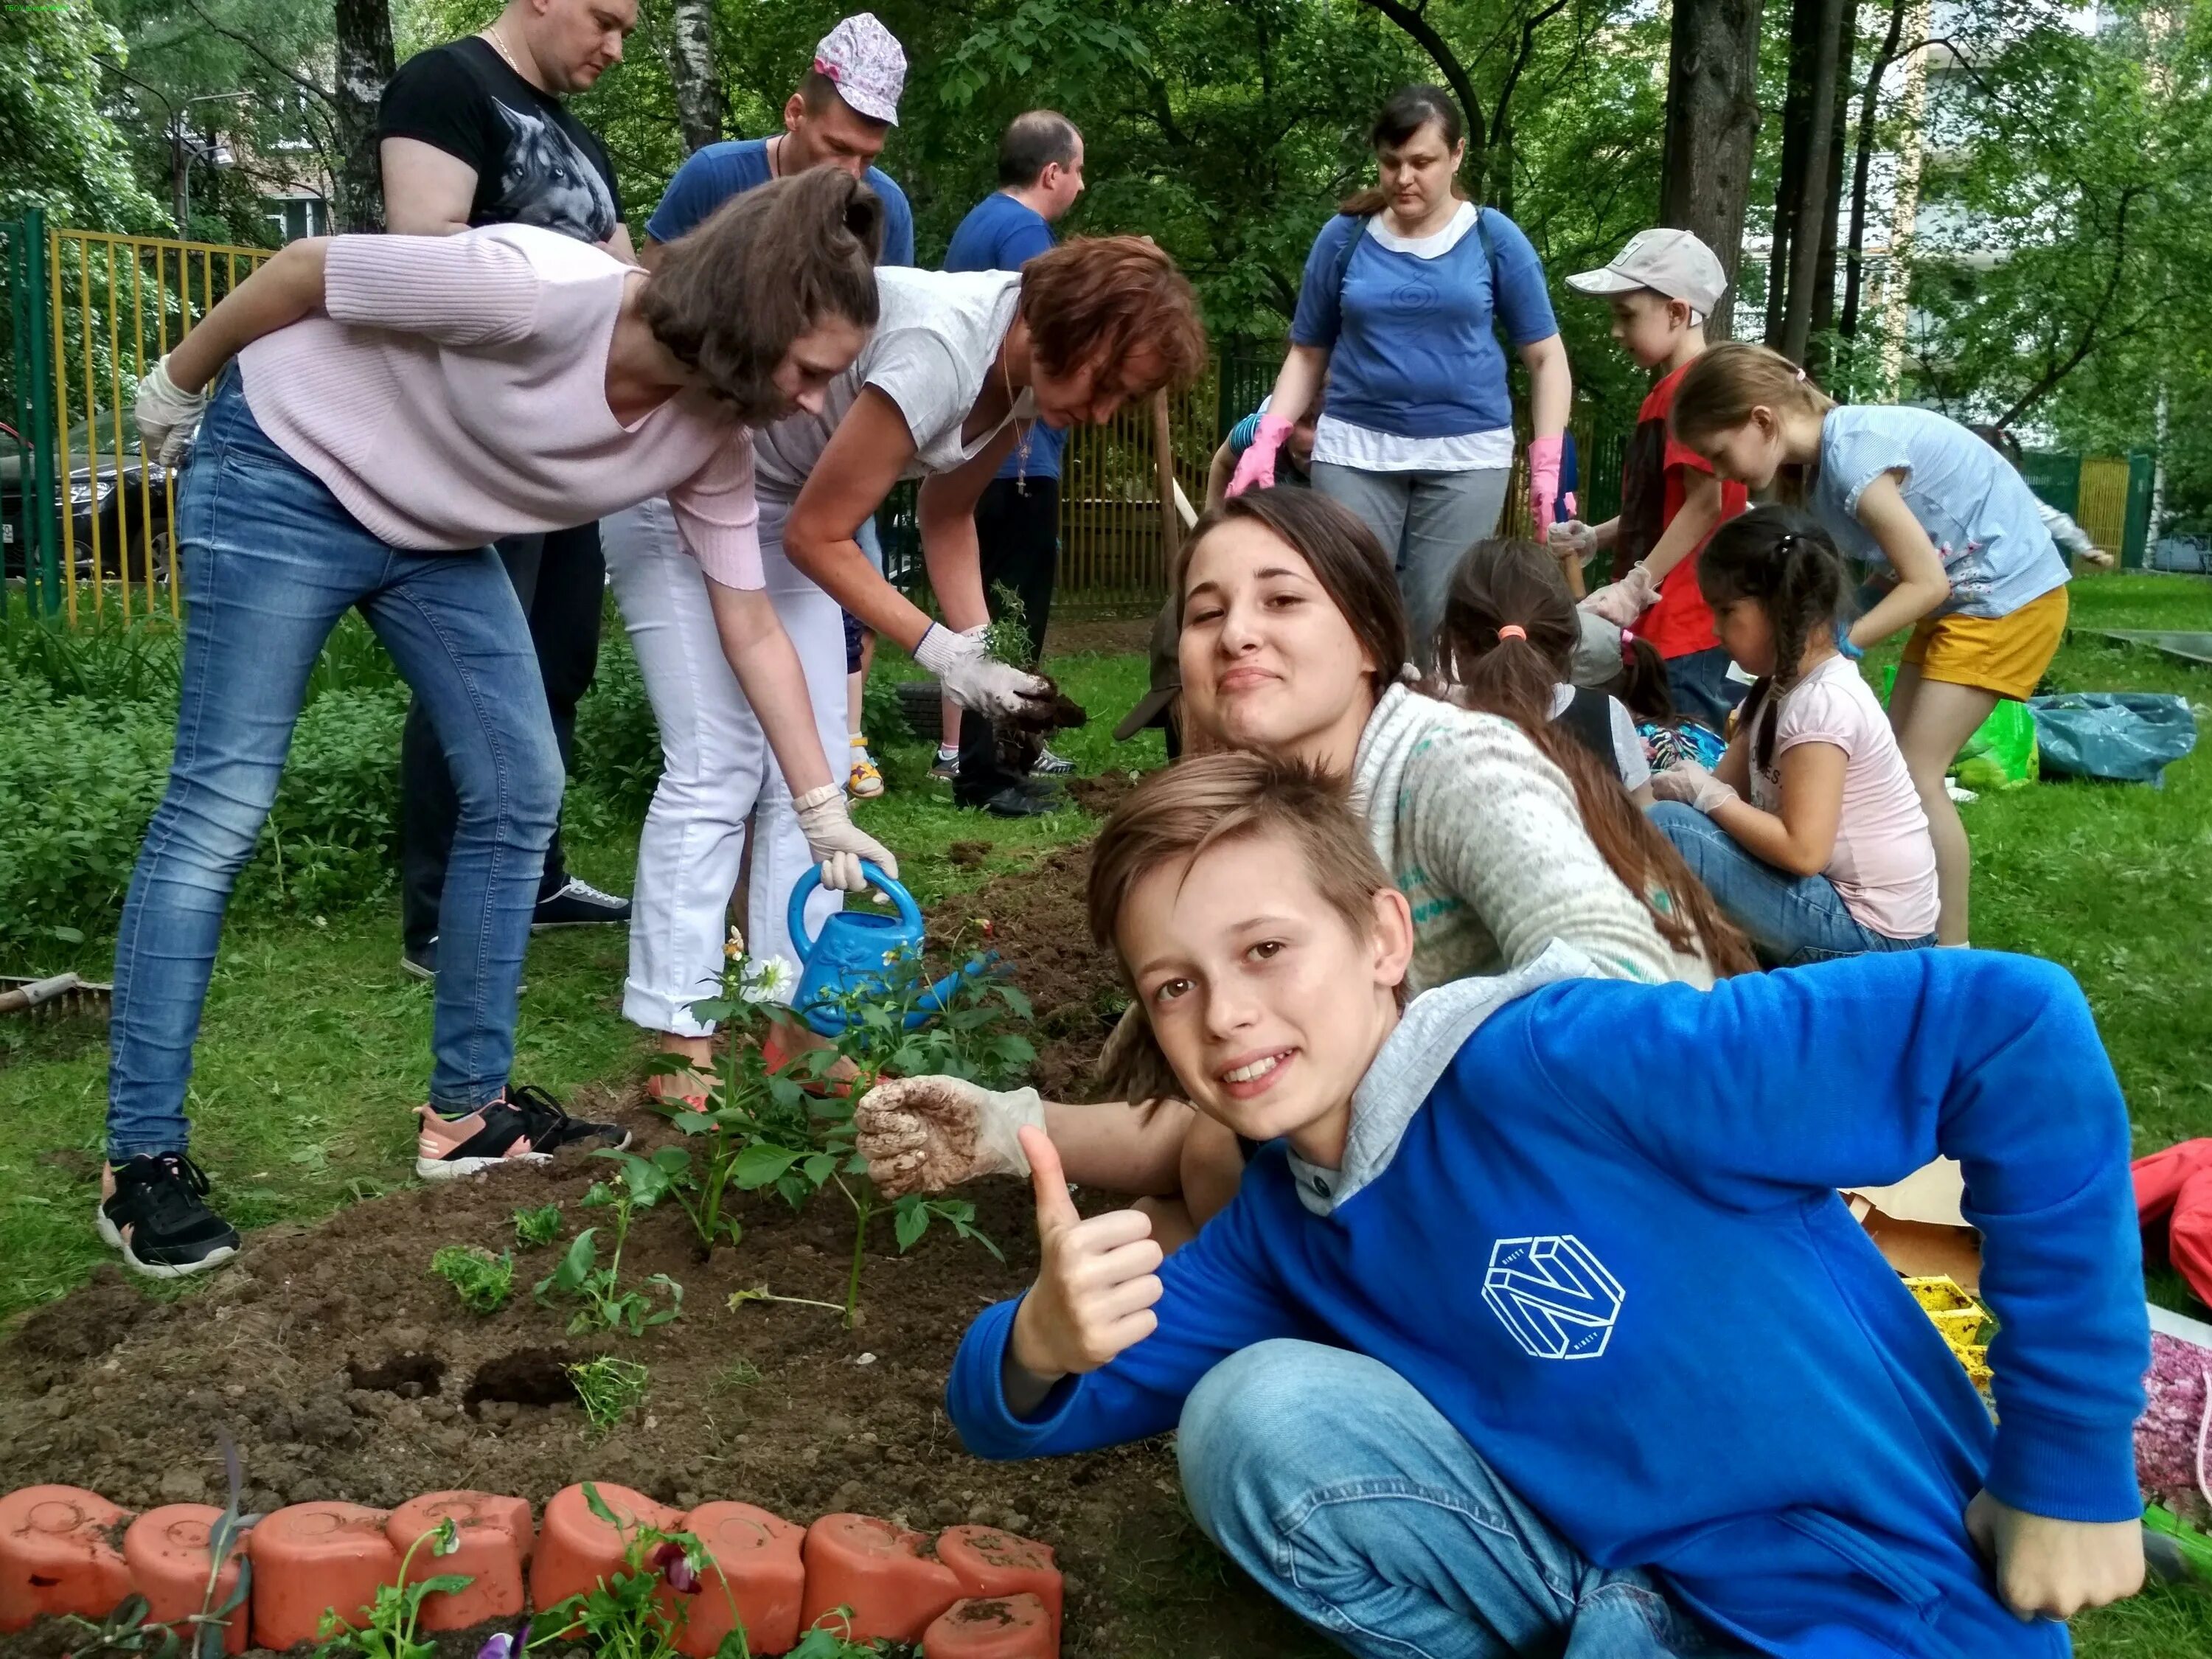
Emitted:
<point x="1808" y="211"/>
<point x="364" y="64"/>
<point x="699" y="103"/>
<point x="1862" y="167"/>
<point x="1832" y="195"/>
<point x="1712" y="126"/>
<point x="1789" y="175"/>
<point x="1412" y="21"/>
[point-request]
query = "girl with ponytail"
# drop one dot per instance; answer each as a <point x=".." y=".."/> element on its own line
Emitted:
<point x="1810" y="832"/>
<point x="1506" y="644"/>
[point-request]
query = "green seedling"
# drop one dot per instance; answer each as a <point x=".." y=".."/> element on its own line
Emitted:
<point x="739" y="1373"/>
<point x="539" y="1226"/>
<point x="608" y="1388"/>
<point x="398" y="1608"/>
<point x="606" y="1305"/>
<point x="482" y="1281"/>
<point x="627" y="1615"/>
<point x="826" y="1642"/>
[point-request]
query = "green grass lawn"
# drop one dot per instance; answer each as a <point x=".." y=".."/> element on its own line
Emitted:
<point x="315" y="1048"/>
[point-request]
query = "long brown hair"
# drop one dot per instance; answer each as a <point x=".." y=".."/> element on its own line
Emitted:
<point x="1404" y="113"/>
<point x="1344" y="556"/>
<point x="1505" y="582"/>
<point x="1726" y="381"/>
<point x="728" y="298"/>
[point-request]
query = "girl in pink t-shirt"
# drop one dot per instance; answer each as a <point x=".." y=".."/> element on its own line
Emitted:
<point x="1810" y="832"/>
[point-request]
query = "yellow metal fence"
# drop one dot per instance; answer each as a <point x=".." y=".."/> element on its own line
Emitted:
<point x="118" y="304"/>
<point x="2103" y="509"/>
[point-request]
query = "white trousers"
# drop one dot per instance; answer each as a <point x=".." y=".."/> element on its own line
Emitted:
<point x="716" y="767"/>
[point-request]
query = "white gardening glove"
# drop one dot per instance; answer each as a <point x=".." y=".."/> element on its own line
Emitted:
<point x="973" y="677"/>
<point x="924" y="1134"/>
<point x="167" y="417"/>
<point x="836" y="842"/>
<point x="1690" y="783"/>
<point x="1573" y="536"/>
<point x="1622" y="602"/>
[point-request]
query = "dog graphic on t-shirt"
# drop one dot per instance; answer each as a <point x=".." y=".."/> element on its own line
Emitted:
<point x="547" y="181"/>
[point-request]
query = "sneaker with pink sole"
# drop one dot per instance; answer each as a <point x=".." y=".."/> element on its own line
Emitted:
<point x="527" y="1126"/>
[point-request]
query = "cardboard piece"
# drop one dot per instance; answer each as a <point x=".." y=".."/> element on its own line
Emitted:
<point x="1917" y="1225"/>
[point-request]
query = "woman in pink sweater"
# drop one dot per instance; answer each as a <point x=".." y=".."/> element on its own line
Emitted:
<point x="399" y="403"/>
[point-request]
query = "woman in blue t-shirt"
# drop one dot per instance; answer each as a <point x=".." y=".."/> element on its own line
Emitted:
<point x="1402" y="298"/>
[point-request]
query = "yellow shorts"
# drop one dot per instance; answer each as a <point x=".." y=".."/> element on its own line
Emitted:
<point x="2003" y="654"/>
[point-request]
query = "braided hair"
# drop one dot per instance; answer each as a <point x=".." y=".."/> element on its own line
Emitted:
<point x="1784" y="562"/>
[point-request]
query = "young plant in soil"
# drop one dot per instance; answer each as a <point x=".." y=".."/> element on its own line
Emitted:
<point x="539" y="1226"/>
<point x="482" y="1281"/>
<point x="196" y="1636"/>
<point x="390" y="1631"/>
<point x="622" y="1617"/>
<point x="604" y="1305"/>
<point x="608" y="1388"/>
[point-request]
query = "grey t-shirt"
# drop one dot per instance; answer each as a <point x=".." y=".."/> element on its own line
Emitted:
<point x="938" y="334"/>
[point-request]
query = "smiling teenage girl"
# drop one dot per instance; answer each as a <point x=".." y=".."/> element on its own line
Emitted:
<point x="1976" y="575"/>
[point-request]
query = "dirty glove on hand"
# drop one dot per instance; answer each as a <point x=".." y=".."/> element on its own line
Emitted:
<point x="1690" y="783"/>
<point x="924" y="1134"/>
<point x="1255" y="467"/>
<point x="838" y="844"/>
<point x="1545" y="455"/>
<point x="166" y="417"/>
<point x="1622" y="602"/>
<point x="1572" y="536"/>
<point x="974" y="679"/>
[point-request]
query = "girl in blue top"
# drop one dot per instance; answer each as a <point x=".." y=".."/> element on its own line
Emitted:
<point x="1971" y="569"/>
<point x="1403" y="295"/>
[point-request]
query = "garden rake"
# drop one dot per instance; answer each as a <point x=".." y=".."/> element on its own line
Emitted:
<point x="62" y="996"/>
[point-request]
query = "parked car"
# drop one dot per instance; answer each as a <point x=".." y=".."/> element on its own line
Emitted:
<point x="124" y="499"/>
<point x="2183" y="550"/>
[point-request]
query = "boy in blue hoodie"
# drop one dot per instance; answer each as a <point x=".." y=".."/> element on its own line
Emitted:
<point x="1537" y="1325"/>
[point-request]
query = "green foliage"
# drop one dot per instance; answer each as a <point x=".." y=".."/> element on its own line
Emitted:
<point x="482" y="1281"/>
<point x="609" y="1388"/>
<point x="64" y="153"/>
<point x="625" y="1615"/>
<point x="390" y="1631"/>
<point x="539" y="1226"/>
<point x="602" y="1304"/>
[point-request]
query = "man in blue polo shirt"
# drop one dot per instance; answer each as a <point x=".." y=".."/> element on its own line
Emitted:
<point x="1017" y="520"/>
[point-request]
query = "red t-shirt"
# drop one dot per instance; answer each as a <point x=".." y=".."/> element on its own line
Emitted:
<point x="1652" y="487"/>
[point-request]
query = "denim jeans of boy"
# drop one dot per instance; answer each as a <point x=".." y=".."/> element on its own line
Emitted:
<point x="1327" y="1476"/>
<point x="271" y="562"/>
<point x="1791" y="920"/>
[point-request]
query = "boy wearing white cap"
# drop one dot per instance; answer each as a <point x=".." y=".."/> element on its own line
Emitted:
<point x="1661" y="287"/>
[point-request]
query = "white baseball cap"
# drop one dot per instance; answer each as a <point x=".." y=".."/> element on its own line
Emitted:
<point x="866" y="62"/>
<point x="1669" y="262"/>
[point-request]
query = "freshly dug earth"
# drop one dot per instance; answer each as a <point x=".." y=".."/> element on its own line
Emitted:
<point x="343" y="1370"/>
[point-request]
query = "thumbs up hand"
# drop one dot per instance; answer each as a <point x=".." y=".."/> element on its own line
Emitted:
<point x="1094" y="1292"/>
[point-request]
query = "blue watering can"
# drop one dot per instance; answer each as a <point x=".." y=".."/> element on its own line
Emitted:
<point x="849" y="954"/>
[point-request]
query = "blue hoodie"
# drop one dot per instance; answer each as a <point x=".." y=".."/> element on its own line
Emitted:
<point x="1595" y="1223"/>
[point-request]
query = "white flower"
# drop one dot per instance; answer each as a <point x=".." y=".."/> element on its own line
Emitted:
<point x="770" y="976"/>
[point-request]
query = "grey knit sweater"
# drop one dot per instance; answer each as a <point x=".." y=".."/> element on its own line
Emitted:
<point x="1482" y="835"/>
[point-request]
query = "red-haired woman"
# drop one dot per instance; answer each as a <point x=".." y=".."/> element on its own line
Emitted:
<point x="957" y="369"/>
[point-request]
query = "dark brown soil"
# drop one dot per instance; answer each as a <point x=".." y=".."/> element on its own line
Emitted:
<point x="344" y="1370"/>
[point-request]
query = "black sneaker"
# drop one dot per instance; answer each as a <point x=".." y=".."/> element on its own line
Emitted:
<point x="578" y="904"/>
<point x="421" y="961"/>
<point x="528" y="1126"/>
<point x="150" y="1209"/>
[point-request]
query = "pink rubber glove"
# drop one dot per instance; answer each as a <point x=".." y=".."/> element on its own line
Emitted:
<point x="1544" y="457"/>
<point x="1256" y="470"/>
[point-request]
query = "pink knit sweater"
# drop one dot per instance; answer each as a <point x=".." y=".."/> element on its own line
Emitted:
<point x="454" y="392"/>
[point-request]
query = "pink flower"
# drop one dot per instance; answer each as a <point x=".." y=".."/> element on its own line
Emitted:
<point x="676" y="1567"/>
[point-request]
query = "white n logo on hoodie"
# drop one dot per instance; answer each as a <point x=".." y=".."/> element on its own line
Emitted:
<point x="1556" y="1298"/>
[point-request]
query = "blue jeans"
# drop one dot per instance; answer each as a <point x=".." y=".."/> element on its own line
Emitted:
<point x="1352" y="1500"/>
<point x="1791" y="920"/>
<point x="1425" y="521"/>
<point x="271" y="562"/>
<point x="1699" y="685"/>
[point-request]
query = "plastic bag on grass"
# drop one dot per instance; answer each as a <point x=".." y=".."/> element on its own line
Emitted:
<point x="2130" y="736"/>
<point x="2002" y="752"/>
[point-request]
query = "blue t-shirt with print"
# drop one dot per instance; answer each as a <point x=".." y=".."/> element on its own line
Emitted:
<point x="718" y="172"/>
<point x="1413" y="342"/>
<point x="1979" y="511"/>
<point x="1001" y="233"/>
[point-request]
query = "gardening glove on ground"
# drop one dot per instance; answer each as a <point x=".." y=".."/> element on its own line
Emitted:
<point x="1544" y="457"/>
<point x="838" y="844"/>
<point x="2047" y="1569"/>
<point x="1622" y="602"/>
<point x="1096" y="1280"/>
<point x="167" y="417"/>
<point x="925" y="1134"/>
<point x="1255" y="467"/>
<point x="975" y="679"/>
<point x="1688" y="782"/>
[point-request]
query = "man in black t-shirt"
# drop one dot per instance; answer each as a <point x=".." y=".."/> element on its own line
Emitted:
<point x="473" y="133"/>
